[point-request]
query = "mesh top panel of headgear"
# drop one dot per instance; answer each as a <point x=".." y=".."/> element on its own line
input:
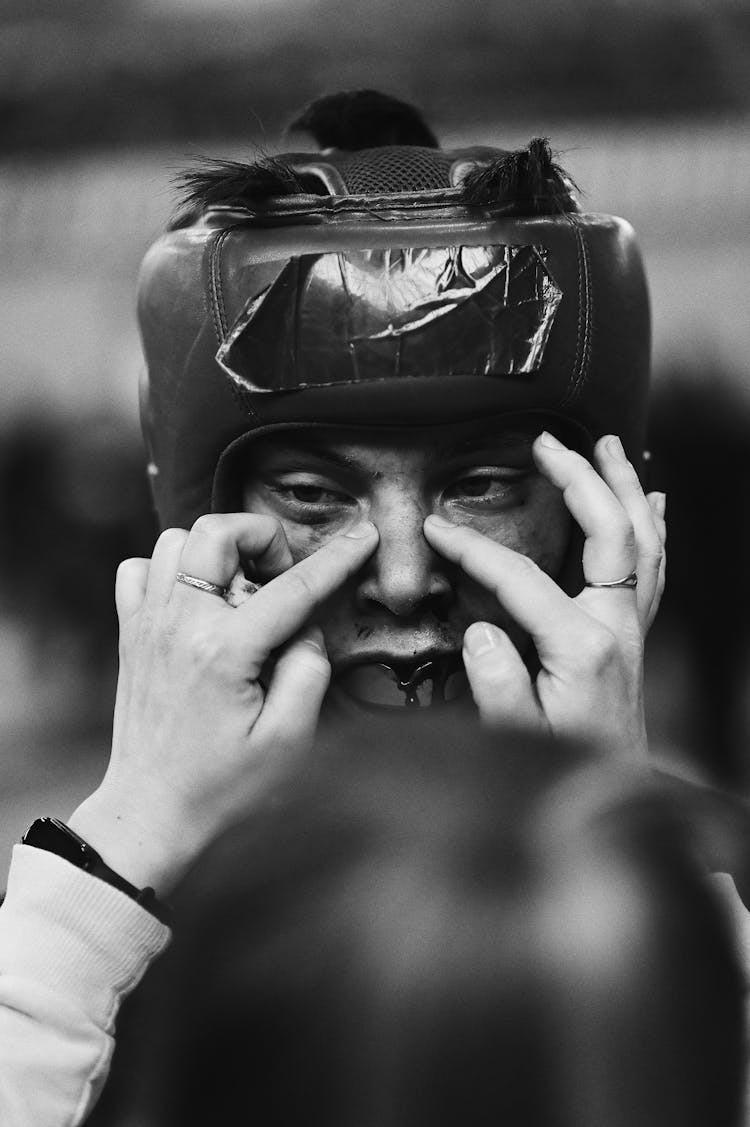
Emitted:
<point x="394" y="168"/>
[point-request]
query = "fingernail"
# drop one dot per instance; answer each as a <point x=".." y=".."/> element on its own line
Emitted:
<point x="439" y="522"/>
<point x="479" y="639"/>
<point x="550" y="441"/>
<point x="614" y="448"/>
<point x="360" y="531"/>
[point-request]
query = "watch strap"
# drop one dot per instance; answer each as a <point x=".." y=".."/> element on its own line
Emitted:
<point x="56" y="837"/>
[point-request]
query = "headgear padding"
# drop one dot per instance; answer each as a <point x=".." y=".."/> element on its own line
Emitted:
<point x="395" y="286"/>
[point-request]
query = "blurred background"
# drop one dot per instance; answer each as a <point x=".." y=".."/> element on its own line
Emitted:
<point x="103" y="101"/>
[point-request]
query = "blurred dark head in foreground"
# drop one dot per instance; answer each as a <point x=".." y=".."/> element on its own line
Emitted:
<point x="477" y="931"/>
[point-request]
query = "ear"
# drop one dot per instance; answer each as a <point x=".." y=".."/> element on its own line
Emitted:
<point x="364" y="119"/>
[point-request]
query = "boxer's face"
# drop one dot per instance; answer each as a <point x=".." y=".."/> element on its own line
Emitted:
<point x="408" y="606"/>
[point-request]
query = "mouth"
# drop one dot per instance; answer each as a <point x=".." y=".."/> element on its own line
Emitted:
<point x="426" y="681"/>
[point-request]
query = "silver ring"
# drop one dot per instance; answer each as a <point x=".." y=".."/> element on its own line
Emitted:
<point x="201" y="584"/>
<point x="629" y="581"/>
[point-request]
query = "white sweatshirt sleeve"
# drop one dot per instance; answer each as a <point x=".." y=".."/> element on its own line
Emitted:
<point x="71" y="949"/>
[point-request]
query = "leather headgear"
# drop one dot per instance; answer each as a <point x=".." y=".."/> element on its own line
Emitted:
<point x="388" y="286"/>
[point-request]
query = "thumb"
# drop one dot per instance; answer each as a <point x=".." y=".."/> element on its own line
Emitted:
<point x="499" y="680"/>
<point x="295" y="694"/>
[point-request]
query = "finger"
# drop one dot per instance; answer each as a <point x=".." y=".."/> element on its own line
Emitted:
<point x="529" y="595"/>
<point x="280" y="608"/>
<point x="622" y="479"/>
<point x="130" y="588"/>
<point x="130" y="593"/>
<point x="658" y="503"/>
<point x="275" y="558"/>
<point x="609" y="550"/>
<point x="658" y="594"/>
<point x="295" y="694"/>
<point x="500" y="682"/>
<point x="219" y="542"/>
<point x="164" y="565"/>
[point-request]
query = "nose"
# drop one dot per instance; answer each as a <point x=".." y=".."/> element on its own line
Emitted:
<point x="405" y="575"/>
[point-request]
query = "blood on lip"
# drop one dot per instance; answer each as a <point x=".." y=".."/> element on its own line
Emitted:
<point x="409" y="676"/>
<point x="419" y="683"/>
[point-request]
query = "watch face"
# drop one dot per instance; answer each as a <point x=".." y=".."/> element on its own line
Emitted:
<point x="54" y="836"/>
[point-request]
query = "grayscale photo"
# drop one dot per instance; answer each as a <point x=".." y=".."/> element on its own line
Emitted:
<point x="374" y="563"/>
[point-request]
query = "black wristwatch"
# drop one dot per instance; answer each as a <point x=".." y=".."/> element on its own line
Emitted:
<point x="54" y="836"/>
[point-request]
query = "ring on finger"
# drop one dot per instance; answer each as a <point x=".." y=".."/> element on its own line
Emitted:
<point x="201" y="584"/>
<point x="630" y="581"/>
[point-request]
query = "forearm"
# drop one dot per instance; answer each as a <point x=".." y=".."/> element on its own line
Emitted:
<point x="71" y="948"/>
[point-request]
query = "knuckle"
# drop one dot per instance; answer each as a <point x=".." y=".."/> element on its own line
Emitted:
<point x="209" y="524"/>
<point x="271" y="526"/>
<point x="519" y="569"/>
<point x="527" y="567"/>
<point x="172" y="537"/>
<point x="313" y="662"/>
<point x="492" y="673"/>
<point x="124" y="567"/>
<point x="627" y="478"/>
<point x="599" y="650"/>
<point x="129" y="571"/>
<point x="621" y="528"/>
<point x="651" y="558"/>
<point x="300" y="585"/>
<point x="205" y="648"/>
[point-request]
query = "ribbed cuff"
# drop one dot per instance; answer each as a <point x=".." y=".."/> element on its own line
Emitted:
<point x="67" y="930"/>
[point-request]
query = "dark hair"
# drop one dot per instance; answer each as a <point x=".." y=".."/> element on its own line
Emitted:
<point x="425" y="935"/>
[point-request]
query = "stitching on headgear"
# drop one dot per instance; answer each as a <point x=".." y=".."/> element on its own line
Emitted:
<point x="588" y="313"/>
<point x="589" y="307"/>
<point x="212" y="302"/>
<point x="217" y="292"/>
<point x="583" y="340"/>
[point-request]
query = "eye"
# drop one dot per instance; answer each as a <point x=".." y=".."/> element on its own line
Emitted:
<point x="311" y="494"/>
<point x="492" y="487"/>
<point x="309" y="499"/>
<point x="474" y="486"/>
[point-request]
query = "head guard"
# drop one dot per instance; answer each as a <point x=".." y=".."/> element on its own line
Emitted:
<point x="382" y="283"/>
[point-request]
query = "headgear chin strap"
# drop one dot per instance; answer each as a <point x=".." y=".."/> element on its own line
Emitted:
<point x="394" y="286"/>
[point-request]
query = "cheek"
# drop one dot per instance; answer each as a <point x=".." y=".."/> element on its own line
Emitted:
<point x="303" y="539"/>
<point x="540" y="528"/>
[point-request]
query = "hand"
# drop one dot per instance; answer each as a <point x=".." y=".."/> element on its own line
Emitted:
<point x="195" y="733"/>
<point x="590" y="648"/>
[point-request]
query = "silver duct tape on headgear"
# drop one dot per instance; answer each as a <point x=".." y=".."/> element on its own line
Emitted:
<point x="356" y="316"/>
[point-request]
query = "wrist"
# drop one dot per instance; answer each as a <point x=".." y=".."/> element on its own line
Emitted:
<point x="50" y="835"/>
<point x="136" y="843"/>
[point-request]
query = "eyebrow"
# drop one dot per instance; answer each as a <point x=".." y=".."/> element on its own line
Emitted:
<point x="308" y="447"/>
<point x="310" y="450"/>
<point x="500" y="443"/>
